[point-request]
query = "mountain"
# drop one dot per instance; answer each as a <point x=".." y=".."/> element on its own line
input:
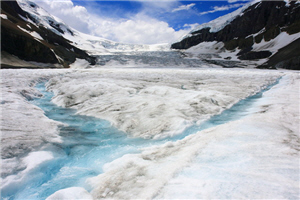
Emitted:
<point x="25" y="38"/>
<point x="31" y="37"/>
<point x="32" y="34"/>
<point x="265" y="32"/>
<point x="261" y="34"/>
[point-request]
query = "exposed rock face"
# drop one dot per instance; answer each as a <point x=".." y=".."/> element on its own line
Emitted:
<point x="25" y="47"/>
<point x="255" y="55"/>
<point x="32" y="42"/>
<point x="263" y="20"/>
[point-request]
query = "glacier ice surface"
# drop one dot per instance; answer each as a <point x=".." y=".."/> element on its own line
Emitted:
<point x="155" y="103"/>
<point x="266" y="139"/>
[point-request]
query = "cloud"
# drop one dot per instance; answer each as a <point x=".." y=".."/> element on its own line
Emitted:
<point x="190" y="26"/>
<point x="222" y="8"/>
<point x="184" y="7"/>
<point x="138" y="28"/>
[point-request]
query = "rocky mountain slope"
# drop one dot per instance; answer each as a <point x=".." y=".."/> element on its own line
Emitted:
<point x="24" y="38"/>
<point x="265" y="31"/>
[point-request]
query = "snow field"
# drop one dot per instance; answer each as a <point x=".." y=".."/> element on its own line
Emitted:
<point x="282" y="40"/>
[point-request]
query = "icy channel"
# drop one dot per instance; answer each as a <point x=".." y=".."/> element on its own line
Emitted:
<point x="88" y="144"/>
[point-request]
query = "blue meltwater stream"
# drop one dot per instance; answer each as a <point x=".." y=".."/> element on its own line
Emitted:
<point x="89" y="143"/>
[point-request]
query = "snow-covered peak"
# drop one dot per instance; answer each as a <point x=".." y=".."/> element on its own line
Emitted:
<point x="219" y="23"/>
<point x="41" y="17"/>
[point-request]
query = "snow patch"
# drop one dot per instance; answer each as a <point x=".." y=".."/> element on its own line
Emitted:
<point x="32" y="33"/>
<point x="287" y="3"/>
<point x="36" y="35"/>
<point x="57" y="57"/>
<point x="282" y="40"/>
<point x="206" y="48"/>
<point x="3" y="16"/>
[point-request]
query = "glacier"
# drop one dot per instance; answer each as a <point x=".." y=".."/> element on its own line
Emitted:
<point x="172" y="99"/>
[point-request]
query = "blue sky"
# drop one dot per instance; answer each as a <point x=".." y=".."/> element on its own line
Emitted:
<point x="175" y="13"/>
<point x="139" y="21"/>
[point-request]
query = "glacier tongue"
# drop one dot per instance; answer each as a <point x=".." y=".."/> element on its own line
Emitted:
<point x="149" y="59"/>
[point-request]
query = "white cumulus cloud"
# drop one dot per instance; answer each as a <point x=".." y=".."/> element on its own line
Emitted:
<point x="139" y="29"/>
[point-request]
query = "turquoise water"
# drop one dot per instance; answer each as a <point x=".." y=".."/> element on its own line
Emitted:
<point x="237" y="111"/>
<point x="89" y="143"/>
